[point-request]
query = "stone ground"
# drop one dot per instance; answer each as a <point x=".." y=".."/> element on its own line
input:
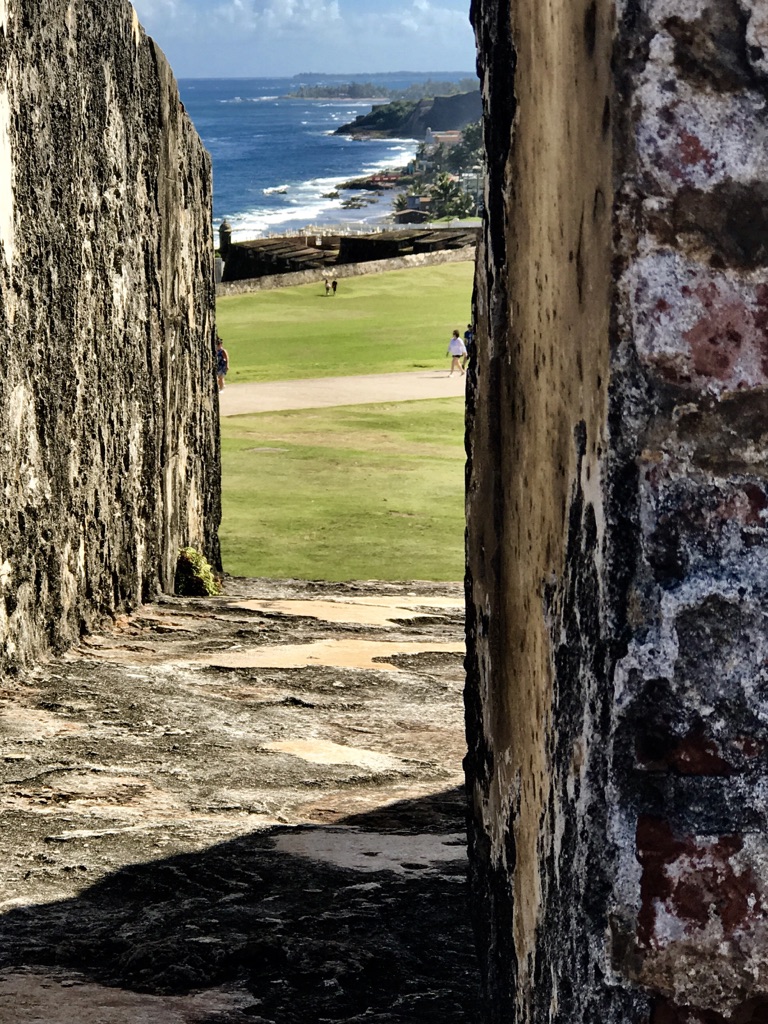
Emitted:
<point x="325" y="392"/>
<point x="247" y="808"/>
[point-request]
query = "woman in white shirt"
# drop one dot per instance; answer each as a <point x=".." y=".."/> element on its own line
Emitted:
<point x="456" y="349"/>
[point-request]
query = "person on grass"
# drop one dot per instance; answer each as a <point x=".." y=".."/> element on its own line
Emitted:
<point x="456" y="350"/>
<point x="469" y="340"/>
<point x="222" y="363"/>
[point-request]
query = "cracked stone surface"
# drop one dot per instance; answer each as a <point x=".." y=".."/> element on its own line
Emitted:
<point x="188" y="840"/>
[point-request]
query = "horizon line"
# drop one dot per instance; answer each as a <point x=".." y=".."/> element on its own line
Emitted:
<point x="329" y="74"/>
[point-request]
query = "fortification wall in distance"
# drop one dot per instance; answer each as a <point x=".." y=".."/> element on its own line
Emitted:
<point x="109" y="457"/>
<point x="343" y="270"/>
<point x="618" y="514"/>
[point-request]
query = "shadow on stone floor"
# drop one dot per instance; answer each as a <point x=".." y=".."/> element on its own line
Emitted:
<point x="305" y="920"/>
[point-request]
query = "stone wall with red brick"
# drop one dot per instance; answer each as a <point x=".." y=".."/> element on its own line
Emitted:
<point x="617" y="694"/>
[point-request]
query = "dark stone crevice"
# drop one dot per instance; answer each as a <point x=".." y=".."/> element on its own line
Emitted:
<point x="712" y="51"/>
<point x="729" y="221"/>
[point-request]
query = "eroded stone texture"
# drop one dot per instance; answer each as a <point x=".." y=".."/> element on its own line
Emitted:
<point x="189" y="843"/>
<point x="109" y="457"/>
<point x="617" y="505"/>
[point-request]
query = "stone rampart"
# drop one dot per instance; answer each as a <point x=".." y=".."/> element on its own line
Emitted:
<point x="618" y="514"/>
<point x="343" y="270"/>
<point x="110" y="454"/>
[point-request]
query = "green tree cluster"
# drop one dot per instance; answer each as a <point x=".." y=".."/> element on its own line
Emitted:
<point x="449" y="199"/>
<point x="429" y="89"/>
<point x="469" y="152"/>
<point x="465" y="155"/>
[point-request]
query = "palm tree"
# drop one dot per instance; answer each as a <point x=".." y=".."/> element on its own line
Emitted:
<point x="449" y="199"/>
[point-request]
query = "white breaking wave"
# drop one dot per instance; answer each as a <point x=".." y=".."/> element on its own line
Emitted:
<point x="306" y="207"/>
<point x="257" y="223"/>
<point x="249" y="99"/>
<point x="400" y="154"/>
<point x="308" y="204"/>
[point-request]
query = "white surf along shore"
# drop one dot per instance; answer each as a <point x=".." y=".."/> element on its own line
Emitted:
<point x="307" y="204"/>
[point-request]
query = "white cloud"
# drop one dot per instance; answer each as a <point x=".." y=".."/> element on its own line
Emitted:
<point x="418" y="16"/>
<point x="150" y="10"/>
<point x="277" y="16"/>
<point x="167" y="19"/>
<point x="252" y="37"/>
<point x="282" y="16"/>
<point x="301" y="14"/>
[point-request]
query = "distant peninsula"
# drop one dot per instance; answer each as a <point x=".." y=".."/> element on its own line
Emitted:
<point x="427" y="89"/>
<point x="343" y="91"/>
<point x="411" y="119"/>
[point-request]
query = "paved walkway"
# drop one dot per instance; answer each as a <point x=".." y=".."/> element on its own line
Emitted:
<point x="324" y="392"/>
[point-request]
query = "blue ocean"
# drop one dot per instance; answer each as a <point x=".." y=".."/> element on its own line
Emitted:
<point x="261" y="142"/>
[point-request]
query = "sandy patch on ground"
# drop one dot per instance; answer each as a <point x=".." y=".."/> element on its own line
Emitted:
<point x="24" y="723"/>
<point x="92" y="793"/>
<point x="331" y="807"/>
<point x="326" y="653"/>
<point x="360" y="611"/>
<point x="325" y="752"/>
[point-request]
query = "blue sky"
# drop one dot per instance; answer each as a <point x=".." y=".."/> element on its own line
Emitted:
<point x="212" y="38"/>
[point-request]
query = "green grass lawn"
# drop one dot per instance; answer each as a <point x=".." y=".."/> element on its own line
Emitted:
<point x="379" y="323"/>
<point x="357" y="492"/>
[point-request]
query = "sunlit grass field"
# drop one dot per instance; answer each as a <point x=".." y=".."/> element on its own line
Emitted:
<point x="379" y="323"/>
<point x="359" y="492"/>
<point x="355" y="492"/>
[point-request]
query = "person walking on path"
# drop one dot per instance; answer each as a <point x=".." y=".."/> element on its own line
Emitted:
<point x="469" y="339"/>
<point x="222" y="363"/>
<point x="456" y="349"/>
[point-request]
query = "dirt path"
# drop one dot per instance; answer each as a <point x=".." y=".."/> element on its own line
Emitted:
<point x="324" y="392"/>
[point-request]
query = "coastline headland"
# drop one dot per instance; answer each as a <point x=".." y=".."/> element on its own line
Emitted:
<point x="414" y="119"/>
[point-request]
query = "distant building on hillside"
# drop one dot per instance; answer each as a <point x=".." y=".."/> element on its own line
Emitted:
<point x="445" y="139"/>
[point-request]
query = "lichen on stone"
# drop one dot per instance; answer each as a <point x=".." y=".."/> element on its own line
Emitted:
<point x="194" y="576"/>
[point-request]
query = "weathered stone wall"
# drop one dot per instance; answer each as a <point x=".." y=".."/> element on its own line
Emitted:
<point x="109" y="460"/>
<point x="617" y="507"/>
